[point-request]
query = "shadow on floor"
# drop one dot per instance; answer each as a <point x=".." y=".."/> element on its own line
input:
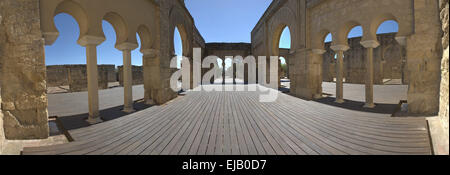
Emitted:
<point x="284" y="90"/>
<point x="359" y="106"/>
<point x="79" y="121"/>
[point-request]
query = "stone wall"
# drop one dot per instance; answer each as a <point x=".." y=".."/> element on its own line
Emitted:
<point x="388" y="62"/>
<point x="24" y="98"/>
<point x="137" y="74"/>
<point x="2" y="39"/>
<point x="444" y="7"/>
<point x="222" y="50"/>
<point x="57" y="76"/>
<point x="75" y="76"/>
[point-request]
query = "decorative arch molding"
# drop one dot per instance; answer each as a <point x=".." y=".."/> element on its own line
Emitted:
<point x="318" y="39"/>
<point x="380" y="19"/>
<point x="49" y="30"/>
<point x="285" y="17"/>
<point x="344" y="30"/>
<point x="120" y="27"/>
<point x="179" y="20"/>
<point x="146" y="37"/>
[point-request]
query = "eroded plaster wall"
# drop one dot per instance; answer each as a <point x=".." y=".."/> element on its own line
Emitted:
<point x="75" y="76"/>
<point x="2" y="39"/>
<point x="388" y="61"/>
<point x="443" y="114"/>
<point x="24" y="98"/>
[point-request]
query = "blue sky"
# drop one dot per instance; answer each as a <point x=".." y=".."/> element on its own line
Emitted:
<point x="217" y="21"/>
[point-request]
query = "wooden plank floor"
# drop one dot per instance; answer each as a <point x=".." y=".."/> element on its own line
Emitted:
<point x="236" y="123"/>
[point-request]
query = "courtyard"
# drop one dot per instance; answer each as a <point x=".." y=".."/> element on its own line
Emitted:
<point x="236" y="123"/>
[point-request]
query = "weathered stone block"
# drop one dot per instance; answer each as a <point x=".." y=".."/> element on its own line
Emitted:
<point x="24" y="96"/>
<point x="137" y="75"/>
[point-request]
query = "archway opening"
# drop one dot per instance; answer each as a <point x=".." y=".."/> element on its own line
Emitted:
<point x="390" y="54"/>
<point x="354" y="59"/>
<point x="218" y="75"/>
<point x="229" y="72"/>
<point x="65" y="67"/>
<point x="328" y="63"/>
<point x="284" y="47"/>
<point x="178" y="47"/>
<point x="178" y="51"/>
<point x="390" y="73"/>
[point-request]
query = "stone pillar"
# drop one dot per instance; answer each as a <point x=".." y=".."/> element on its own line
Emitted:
<point x="223" y="72"/>
<point x="340" y="49"/>
<point x="318" y="55"/>
<point x="369" y="45"/>
<point x="234" y="72"/>
<point x="91" y="43"/>
<point x="280" y="72"/>
<point x="148" y="55"/>
<point x="126" y="49"/>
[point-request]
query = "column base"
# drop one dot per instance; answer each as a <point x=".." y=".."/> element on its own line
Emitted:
<point x="150" y="102"/>
<point x="340" y="101"/>
<point x="369" y="105"/>
<point x="94" y="120"/>
<point x="317" y="96"/>
<point x="128" y="110"/>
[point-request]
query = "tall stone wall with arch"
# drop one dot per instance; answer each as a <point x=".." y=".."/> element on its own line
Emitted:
<point x="24" y="98"/>
<point x="2" y="41"/>
<point x="418" y="35"/>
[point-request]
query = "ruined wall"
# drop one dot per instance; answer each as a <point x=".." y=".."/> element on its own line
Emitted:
<point x="137" y="75"/>
<point x="75" y="76"/>
<point x="57" y="75"/>
<point x="24" y="99"/>
<point x="444" y="8"/>
<point x="78" y="77"/>
<point x="388" y="62"/>
<point x="222" y="50"/>
<point x="2" y="39"/>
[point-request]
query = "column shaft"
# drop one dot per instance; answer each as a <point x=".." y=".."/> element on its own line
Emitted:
<point x="127" y="82"/>
<point x="92" y="78"/>
<point x="340" y="77"/>
<point x="369" y="79"/>
<point x="223" y="72"/>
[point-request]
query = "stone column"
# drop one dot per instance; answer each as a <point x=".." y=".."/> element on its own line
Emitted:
<point x="369" y="45"/>
<point x="91" y="43"/>
<point x="234" y="72"/>
<point x="126" y="49"/>
<point x="223" y="72"/>
<point x="318" y="55"/>
<point x="340" y="49"/>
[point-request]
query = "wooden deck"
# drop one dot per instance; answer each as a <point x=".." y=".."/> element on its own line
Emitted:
<point x="236" y="123"/>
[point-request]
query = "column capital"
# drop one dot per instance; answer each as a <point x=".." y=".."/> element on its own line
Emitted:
<point x="50" y="37"/>
<point x="401" y="40"/>
<point x="370" y="44"/>
<point x="126" y="46"/>
<point x="150" y="52"/>
<point x="319" y="51"/>
<point x="90" y="40"/>
<point x="340" y="47"/>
